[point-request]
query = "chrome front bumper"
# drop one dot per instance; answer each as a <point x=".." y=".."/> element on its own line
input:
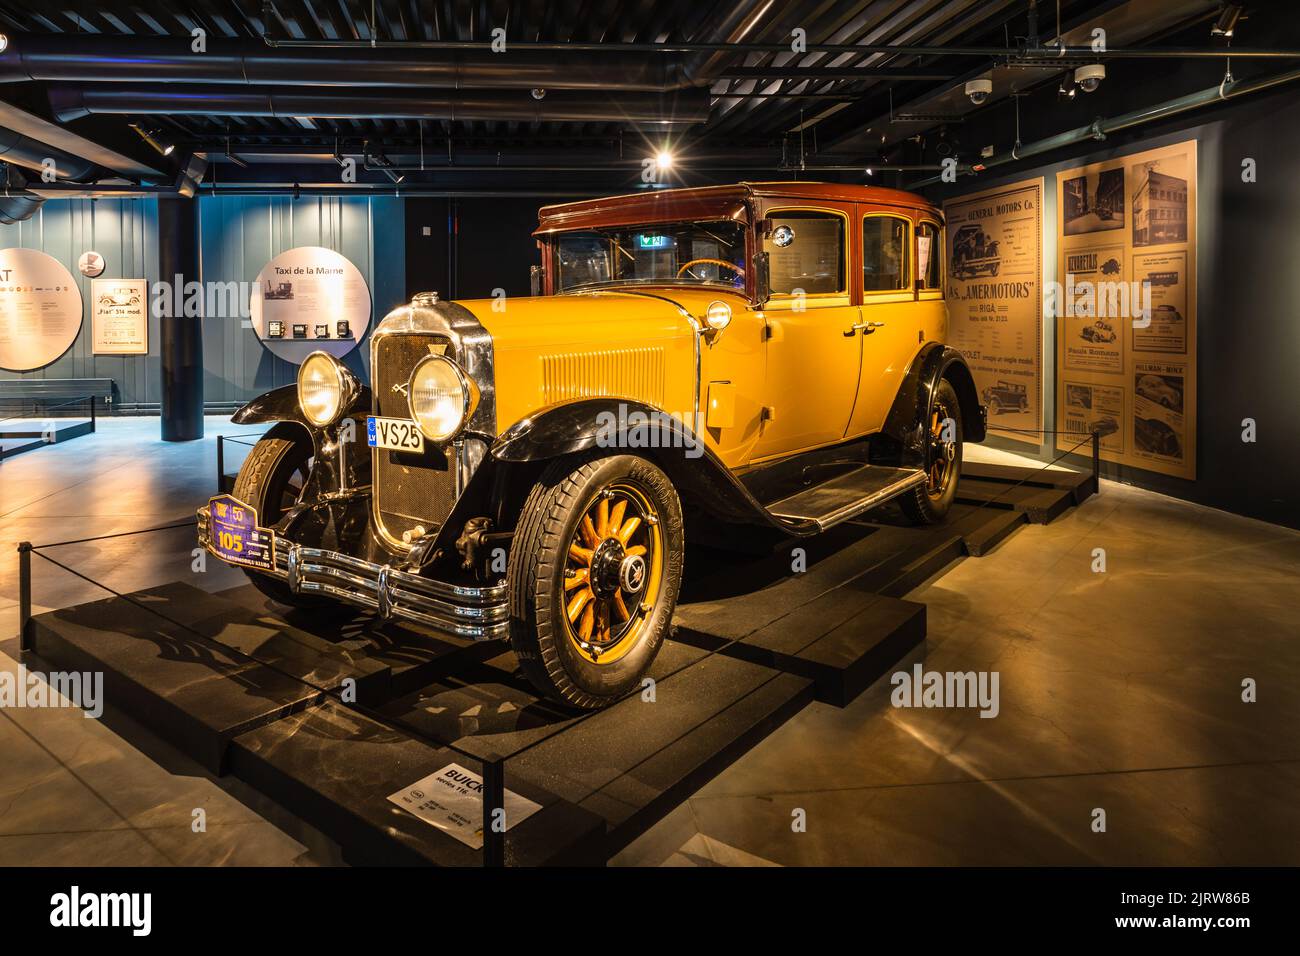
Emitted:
<point x="469" y="612"/>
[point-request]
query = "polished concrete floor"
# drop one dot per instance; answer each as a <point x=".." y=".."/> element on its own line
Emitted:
<point x="1120" y="692"/>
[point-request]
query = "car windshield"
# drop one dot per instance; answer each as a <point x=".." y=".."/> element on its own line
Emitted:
<point x="698" y="253"/>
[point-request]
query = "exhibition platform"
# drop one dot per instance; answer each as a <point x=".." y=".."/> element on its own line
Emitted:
<point x="333" y="717"/>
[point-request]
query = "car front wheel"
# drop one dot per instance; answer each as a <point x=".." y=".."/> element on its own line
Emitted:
<point x="593" y="575"/>
<point x="271" y="480"/>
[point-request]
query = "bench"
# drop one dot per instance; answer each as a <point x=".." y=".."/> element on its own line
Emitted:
<point x="52" y="392"/>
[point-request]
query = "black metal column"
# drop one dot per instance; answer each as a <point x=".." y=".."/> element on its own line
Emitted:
<point x="182" y="336"/>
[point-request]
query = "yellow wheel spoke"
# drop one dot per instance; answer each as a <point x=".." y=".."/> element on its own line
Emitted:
<point x="602" y="518"/>
<point x="588" y="618"/>
<point x="620" y="607"/>
<point x="628" y="530"/>
<point x="588" y="532"/>
<point x="616" y="516"/>
<point x="602" y="621"/>
<point x="580" y="554"/>
<point x="578" y="602"/>
<point x="579" y="578"/>
<point x="635" y="549"/>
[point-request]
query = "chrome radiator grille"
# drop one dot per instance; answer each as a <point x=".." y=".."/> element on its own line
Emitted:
<point x="410" y="489"/>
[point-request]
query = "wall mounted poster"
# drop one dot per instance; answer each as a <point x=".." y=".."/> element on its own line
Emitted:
<point x="995" y="301"/>
<point x="1126" y="326"/>
<point x="119" y="316"/>
<point x="309" y="299"/>
<point x="40" y="309"/>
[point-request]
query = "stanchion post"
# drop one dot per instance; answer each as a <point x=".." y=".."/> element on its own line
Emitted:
<point x="92" y="414"/>
<point x="494" y="798"/>
<point x="1096" y="461"/>
<point x="25" y="595"/>
<point x="221" y="464"/>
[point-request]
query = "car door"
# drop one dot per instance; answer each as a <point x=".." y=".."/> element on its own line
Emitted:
<point x="813" y="354"/>
<point x="891" y="318"/>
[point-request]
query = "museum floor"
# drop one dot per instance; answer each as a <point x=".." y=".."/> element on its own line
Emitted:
<point x="1119" y="691"/>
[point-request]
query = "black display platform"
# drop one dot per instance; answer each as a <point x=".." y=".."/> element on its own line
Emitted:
<point x="18" y="435"/>
<point x="243" y="685"/>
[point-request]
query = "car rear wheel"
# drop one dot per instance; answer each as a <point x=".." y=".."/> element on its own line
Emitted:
<point x="593" y="576"/>
<point x="929" y="503"/>
<point x="271" y="480"/>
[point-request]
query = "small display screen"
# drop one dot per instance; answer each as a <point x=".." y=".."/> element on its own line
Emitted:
<point x="322" y="331"/>
<point x="300" y="331"/>
<point x="274" y="330"/>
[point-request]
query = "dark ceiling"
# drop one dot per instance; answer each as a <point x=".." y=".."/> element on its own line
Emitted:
<point x="583" y="91"/>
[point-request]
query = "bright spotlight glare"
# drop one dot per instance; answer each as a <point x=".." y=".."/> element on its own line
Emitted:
<point x="664" y="160"/>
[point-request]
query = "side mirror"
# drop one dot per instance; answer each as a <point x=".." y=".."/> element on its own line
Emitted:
<point x="762" y="278"/>
<point x="535" y="280"/>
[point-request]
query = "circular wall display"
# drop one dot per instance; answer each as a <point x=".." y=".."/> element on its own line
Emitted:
<point x="40" y="309"/>
<point x="310" y="299"/>
<point x="91" y="264"/>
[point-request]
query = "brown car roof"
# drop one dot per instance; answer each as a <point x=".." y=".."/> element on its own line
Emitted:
<point x="714" y="202"/>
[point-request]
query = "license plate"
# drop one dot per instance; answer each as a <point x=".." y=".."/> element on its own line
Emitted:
<point x="395" y="434"/>
<point x="235" y="536"/>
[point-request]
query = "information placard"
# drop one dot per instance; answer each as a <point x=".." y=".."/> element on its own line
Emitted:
<point x="995" y="301"/>
<point x="120" y="316"/>
<point x="1126" y="321"/>
<point x="40" y="309"/>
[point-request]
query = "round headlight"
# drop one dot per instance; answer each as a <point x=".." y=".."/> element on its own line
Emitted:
<point x="718" y="315"/>
<point x="320" y="388"/>
<point x="441" y="397"/>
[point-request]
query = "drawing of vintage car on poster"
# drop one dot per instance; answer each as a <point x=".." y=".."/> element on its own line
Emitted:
<point x="974" y="253"/>
<point x="1100" y="331"/>
<point x="1166" y="390"/>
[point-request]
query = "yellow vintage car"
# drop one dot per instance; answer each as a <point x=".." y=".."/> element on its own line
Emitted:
<point x="733" y="364"/>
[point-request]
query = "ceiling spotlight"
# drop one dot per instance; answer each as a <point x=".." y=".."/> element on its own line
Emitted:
<point x="1090" y="77"/>
<point x="4" y="42"/>
<point x="1223" y="27"/>
<point x="395" y="176"/>
<point x="979" y="90"/>
<point x="1067" y="88"/>
<point x="664" y="160"/>
<point x="539" y="93"/>
<point x="870" y="171"/>
<point x="153" y="138"/>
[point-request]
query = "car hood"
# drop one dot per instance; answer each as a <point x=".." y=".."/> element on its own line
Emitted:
<point x="576" y="319"/>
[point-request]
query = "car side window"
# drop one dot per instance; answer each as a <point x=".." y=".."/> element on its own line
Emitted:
<point x="806" y="252"/>
<point x="928" y="250"/>
<point x="885" y="266"/>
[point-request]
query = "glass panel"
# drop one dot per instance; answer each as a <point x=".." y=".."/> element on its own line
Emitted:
<point x="884" y="254"/>
<point x="805" y="252"/>
<point x="696" y="253"/>
<point x="928" y="251"/>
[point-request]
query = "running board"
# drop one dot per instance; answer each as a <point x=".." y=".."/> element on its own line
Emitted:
<point x="847" y="496"/>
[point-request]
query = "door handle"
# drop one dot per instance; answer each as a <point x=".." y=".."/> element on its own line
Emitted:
<point x="864" y="327"/>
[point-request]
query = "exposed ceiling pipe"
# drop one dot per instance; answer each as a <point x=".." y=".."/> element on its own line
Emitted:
<point x="682" y="109"/>
<point x="75" y="156"/>
<point x="1101" y="127"/>
<point x="34" y="155"/>
<point x="85" y="59"/>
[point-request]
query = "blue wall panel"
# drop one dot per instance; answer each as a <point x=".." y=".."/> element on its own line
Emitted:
<point x="125" y="233"/>
<point x="239" y="235"/>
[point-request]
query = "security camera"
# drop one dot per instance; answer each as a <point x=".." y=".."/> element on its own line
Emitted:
<point x="1090" y="77"/>
<point x="979" y="90"/>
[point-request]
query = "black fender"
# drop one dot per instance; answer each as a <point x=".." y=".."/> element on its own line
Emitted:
<point x="618" y="426"/>
<point x="331" y="458"/>
<point x="904" y="426"/>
